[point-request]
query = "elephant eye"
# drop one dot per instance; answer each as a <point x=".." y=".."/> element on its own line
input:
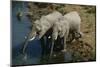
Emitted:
<point x="37" y="28"/>
<point x="58" y="31"/>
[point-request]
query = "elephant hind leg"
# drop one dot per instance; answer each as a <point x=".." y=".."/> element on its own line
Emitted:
<point x="70" y="37"/>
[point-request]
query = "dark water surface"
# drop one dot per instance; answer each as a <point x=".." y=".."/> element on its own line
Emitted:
<point x="20" y="29"/>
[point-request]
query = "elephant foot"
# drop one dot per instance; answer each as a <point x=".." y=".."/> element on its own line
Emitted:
<point x="64" y="50"/>
<point x="25" y="58"/>
<point x="54" y="55"/>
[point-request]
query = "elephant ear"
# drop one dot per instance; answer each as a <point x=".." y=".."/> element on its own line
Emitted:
<point x="58" y="25"/>
<point x="37" y="24"/>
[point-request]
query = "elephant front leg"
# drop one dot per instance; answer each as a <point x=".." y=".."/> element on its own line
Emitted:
<point x="51" y="51"/>
<point x="64" y="50"/>
<point x="43" y="47"/>
<point x="65" y="43"/>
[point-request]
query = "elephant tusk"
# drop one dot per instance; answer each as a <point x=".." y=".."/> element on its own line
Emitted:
<point x="32" y="39"/>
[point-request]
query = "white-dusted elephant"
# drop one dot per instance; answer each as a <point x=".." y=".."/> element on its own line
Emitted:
<point x="42" y="25"/>
<point x="67" y="25"/>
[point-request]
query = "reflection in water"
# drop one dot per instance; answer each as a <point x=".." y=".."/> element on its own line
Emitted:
<point x="34" y="54"/>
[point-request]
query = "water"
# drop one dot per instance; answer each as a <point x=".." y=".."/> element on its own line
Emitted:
<point x="20" y="29"/>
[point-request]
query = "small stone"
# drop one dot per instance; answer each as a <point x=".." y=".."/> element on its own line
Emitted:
<point x="54" y="55"/>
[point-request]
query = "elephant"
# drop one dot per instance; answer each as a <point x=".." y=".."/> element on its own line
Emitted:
<point x="68" y="25"/>
<point x="41" y="26"/>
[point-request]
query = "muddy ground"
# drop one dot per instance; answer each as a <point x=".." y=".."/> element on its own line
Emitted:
<point x="80" y="51"/>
